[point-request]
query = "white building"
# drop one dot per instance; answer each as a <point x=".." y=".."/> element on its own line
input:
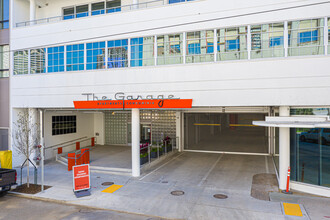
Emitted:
<point x="239" y="61"/>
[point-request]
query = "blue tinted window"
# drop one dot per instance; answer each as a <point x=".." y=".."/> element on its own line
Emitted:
<point x="112" y="10"/>
<point x="68" y="13"/>
<point x="56" y="59"/>
<point x="117" y="53"/>
<point x="308" y="36"/>
<point x="194" y="48"/>
<point x="142" y="51"/>
<point x="177" y="1"/>
<point x="232" y="44"/>
<point x="113" y="6"/>
<point x="81" y="11"/>
<point x="4" y="14"/>
<point x="276" y="41"/>
<point x="95" y="55"/>
<point x="75" y="57"/>
<point x="98" y="8"/>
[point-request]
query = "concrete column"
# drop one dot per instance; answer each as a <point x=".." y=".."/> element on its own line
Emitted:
<point x="178" y="131"/>
<point x="196" y="130"/>
<point x="284" y="141"/>
<point x="135" y="142"/>
<point x="135" y="4"/>
<point x="215" y="44"/>
<point x="325" y="38"/>
<point x="184" y="45"/>
<point x="286" y="39"/>
<point x="249" y="41"/>
<point x="41" y="120"/>
<point x="32" y="10"/>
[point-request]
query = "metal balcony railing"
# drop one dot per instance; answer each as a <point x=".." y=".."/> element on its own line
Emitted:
<point x="142" y="5"/>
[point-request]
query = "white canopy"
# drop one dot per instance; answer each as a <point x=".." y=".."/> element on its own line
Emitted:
<point x="295" y="122"/>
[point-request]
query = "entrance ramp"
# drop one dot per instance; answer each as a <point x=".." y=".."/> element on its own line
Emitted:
<point x="106" y="160"/>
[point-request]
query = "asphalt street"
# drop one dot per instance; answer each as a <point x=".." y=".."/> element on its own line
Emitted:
<point x="14" y="208"/>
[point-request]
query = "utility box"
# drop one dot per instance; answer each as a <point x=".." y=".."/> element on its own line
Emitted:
<point x="6" y="159"/>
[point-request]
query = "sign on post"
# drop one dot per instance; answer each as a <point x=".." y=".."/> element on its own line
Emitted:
<point x="81" y="180"/>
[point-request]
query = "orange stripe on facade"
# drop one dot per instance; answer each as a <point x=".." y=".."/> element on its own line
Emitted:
<point x="130" y="104"/>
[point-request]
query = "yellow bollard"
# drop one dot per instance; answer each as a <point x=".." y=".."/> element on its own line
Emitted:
<point x="6" y="159"/>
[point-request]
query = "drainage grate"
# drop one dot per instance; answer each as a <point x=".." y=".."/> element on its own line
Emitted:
<point x="107" y="183"/>
<point x="177" y="193"/>
<point x="220" y="196"/>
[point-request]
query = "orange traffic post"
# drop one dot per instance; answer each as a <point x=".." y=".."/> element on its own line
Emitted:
<point x="77" y="145"/>
<point x="59" y="150"/>
<point x="85" y="153"/>
<point x="71" y="161"/>
<point x="287" y="191"/>
<point x="93" y="141"/>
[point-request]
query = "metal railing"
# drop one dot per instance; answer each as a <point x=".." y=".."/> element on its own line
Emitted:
<point x="142" y="5"/>
<point x="70" y="144"/>
<point x="61" y="144"/>
<point x="81" y="155"/>
<point x="35" y="171"/>
<point x="67" y="143"/>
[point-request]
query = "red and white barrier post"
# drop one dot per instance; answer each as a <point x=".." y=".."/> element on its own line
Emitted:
<point x="287" y="191"/>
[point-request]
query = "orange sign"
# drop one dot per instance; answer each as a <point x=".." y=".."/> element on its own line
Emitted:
<point x="129" y="104"/>
<point x="81" y="180"/>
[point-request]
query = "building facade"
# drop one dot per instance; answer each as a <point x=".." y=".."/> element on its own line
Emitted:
<point x="238" y="61"/>
<point x="4" y="74"/>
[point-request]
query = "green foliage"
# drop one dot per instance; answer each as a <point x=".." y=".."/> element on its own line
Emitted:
<point x="143" y="155"/>
<point x="154" y="149"/>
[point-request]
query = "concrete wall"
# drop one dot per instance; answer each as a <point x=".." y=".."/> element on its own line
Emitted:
<point x="4" y="37"/>
<point x="267" y="82"/>
<point x="85" y="127"/>
<point x="20" y="11"/>
<point x="99" y="128"/>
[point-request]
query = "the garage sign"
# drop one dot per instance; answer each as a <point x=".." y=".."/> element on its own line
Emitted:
<point x="125" y="101"/>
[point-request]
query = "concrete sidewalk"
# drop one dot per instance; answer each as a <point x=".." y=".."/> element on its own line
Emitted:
<point x="200" y="176"/>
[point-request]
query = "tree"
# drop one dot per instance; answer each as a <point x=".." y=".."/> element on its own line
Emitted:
<point x="26" y="136"/>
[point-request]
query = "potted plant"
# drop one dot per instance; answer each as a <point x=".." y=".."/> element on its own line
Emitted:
<point x="169" y="147"/>
<point x="143" y="158"/>
<point x="154" y="152"/>
<point x="167" y="143"/>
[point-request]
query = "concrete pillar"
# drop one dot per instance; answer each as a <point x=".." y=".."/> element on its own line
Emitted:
<point x="196" y="130"/>
<point x="178" y="131"/>
<point x="135" y="4"/>
<point x="284" y="142"/>
<point x="135" y="142"/>
<point x="32" y="10"/>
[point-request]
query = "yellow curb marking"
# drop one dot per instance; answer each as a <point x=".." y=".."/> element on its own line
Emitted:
<point x="292" y="209"/>
<point x="198" y="124"/>
<point x="112" y="188"/>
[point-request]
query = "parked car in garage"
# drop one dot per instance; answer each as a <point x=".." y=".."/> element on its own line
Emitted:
<point x="319" y="135"/>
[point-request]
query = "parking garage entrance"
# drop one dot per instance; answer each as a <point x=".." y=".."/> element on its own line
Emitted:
<point x="224" y="132"/>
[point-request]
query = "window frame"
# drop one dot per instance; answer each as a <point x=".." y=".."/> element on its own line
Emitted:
<point x="5" y="51"/>
<point x="63" y="121"/>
